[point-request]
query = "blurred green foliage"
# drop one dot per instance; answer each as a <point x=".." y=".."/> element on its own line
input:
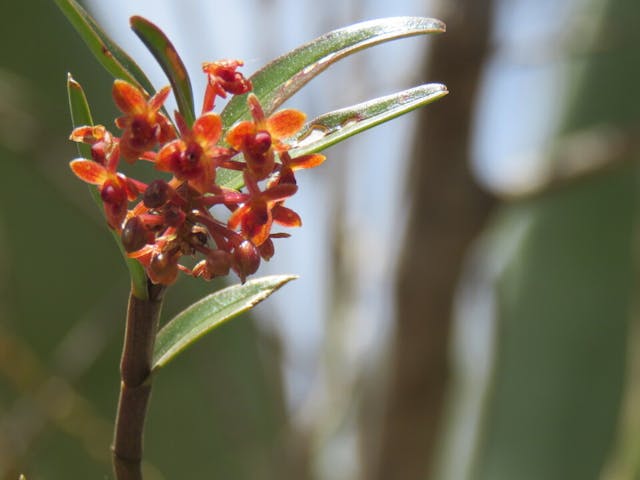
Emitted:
<point x="565" y="299"/>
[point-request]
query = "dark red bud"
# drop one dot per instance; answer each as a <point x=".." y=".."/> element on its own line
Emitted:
<point x="156" y="194"/>
<point x="267" y="249"/>
<point x="218" y="263"/>
<point x="246" y="259"/>
<point x="163" y="268"/>
<point x="134" y="235"/>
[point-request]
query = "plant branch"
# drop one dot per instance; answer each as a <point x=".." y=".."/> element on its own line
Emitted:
<point x="135" y="385"/>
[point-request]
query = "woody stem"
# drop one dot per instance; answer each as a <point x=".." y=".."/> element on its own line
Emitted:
<point x="135" y="385"/>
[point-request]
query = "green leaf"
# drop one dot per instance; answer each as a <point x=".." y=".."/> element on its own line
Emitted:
<point x="80" y="112"/>
<point x="209" y="313"/>
<point x="336" y="126"/>
<point x="167" y="56"/>
<point x="108" y="53"/>
<point x="81" y="115"/>
<point x="280" y="79"/>
<point x="285" y="75"/>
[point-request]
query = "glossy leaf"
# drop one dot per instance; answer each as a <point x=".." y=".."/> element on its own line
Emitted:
<point x="211" y="312"/>
<point x="167" y="56"/>
<point x="285" y="75"/>
<point x="108" y="53"/>
<point x="81" y="115"/>
<point x="334" y="127"/>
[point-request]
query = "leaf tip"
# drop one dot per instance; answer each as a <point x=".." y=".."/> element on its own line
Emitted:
<point x="137" y="19"/>
<point x="72" y="83"/>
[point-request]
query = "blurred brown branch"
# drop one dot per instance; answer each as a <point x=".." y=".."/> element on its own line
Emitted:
<point x="448" y="210"/>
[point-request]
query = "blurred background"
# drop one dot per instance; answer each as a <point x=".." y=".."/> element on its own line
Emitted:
<point x="466" y="308"/>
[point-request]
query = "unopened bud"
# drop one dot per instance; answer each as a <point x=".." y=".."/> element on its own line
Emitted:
<point x="246" y="259"/>
<point x="218" y="263"/>
<point x="134" y="235"/>
<point x="156" y="194"/>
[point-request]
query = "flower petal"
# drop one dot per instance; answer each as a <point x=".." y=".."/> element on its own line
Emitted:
<point x="88" y="134"/>
<point x="167" y="159"/>
<point x="285" y="123"/>
<point x="236" y="136"/>
<point x="306" y="161"/>
<point x="207" y="130"/>
<point x="89" y="171"/>
<point x="279" y="192"/>
<point x="285" y="216"/>
<point x="129" y="99"/>
<point x="159" y="98"/>
<point x="236" y="217"/>
<point x="255" y="108"/>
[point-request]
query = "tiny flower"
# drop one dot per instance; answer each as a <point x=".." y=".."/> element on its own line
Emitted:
<point x="143" y="125"/>
<point x="160" y="259"/>
<point x="101" y="141"/>
<point x="261" y="208"/>
<point x="258" y="139"/>
<point x="193" y="157"/>
<point x="222" y="78"/>
<point x="115" y="189"/>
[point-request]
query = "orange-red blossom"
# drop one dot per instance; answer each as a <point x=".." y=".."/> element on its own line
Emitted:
<point x="171" y="217"/>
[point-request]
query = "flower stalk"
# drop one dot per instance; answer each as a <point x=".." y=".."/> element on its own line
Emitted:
<point x="135" y="385"/>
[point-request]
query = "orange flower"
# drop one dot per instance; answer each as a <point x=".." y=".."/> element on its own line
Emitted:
<point x="222" y="78"/>
<point x="115" y="189"/>
<point x="258" y="139"/>
<point x="261" y="208"/>
<point x="143" y="125"/>
<point x="194" y="156"/>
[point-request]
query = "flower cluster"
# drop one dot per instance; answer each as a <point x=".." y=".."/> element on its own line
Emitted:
<point x="170" y="218"/>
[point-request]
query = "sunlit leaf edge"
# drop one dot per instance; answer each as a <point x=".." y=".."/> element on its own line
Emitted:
<point x="199" y="319"/>
<point x="285" y="75"/>
<point x="339" y="125"/>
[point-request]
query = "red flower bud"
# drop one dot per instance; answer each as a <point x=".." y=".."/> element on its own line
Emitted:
<point x="156" y="194"/>
<point x="134" y="235"/>
<point x="246" y="260"/>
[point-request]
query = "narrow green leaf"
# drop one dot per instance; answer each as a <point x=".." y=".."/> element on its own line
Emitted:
<point x="80" y="112"/>
<point x="108" y="53"/>
<point x="209" y="313"/>
<point x="285" y="75"/>
<point x="81" y="115"/>
<point x="336" y="126"/>
<point x="167" y="56"/>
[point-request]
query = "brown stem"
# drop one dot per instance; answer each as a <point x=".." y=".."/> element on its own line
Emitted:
<point x="135" y="385"/>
